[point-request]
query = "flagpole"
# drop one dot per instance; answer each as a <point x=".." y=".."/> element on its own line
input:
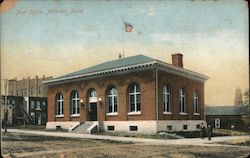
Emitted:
<point x="123" y="30"/>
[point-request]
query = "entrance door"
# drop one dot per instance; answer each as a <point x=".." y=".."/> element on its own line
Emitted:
<point x="93" y="112"/>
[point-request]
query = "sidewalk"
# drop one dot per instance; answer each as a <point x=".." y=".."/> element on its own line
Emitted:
<point x="185" y="141"/>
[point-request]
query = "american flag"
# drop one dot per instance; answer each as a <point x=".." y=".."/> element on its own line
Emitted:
<point x="128" y="27"/>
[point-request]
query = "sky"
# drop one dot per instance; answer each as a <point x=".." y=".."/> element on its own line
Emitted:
<point x="56" y="37"/>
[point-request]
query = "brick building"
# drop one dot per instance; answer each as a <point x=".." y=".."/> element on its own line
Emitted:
<point x="28" y="87"/>
<point x="136" y="93"/>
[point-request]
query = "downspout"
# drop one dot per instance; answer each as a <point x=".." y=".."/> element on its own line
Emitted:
<point x="156" y="98"/>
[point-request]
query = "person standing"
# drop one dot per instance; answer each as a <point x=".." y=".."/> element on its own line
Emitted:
<point x="6" y="121"/>
<point x="202" y="131"/>
<point x="209" y="132"/>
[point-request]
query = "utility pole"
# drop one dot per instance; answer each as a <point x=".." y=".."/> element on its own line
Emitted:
<point x="6" y="112"/>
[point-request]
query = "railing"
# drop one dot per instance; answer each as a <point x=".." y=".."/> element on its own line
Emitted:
<point x="28" y="118"/>
<point x="74" y="126"/>
<point x="94" y="126"/>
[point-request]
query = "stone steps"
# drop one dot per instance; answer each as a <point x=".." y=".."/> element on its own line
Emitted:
<point x="82" y="128"/>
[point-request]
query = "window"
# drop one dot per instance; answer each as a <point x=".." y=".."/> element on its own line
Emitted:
<point x="134" y="98"/>
<point x="166" y="99"/>
<point x="38" y="106"/>
<point x="182" y="101"/>
<point x="133" y="128"/>
<point x="75" y="103"/>
<point x="93" y="93"/>
<point x="111" y="128"/>
<point x="169" y="127"/>
<point x="31" y="90"/>
<point x="13" y="102"/>
<point x="217" y="123"/>
<point x="198" y="126"/>
<point x="44" y="104"/>
<point x="196" y="103"/>
<point x="59" y="104"/>
<point x="112" y="100"/>
<point x="32" y="104"/>
<point x="185" y="127"/>
<point x="40" y="89"/>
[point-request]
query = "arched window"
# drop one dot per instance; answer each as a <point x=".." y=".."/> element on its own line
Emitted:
<point x="134" y="98"/>
<point x="75" y="103"/>
<point x="93" y="93"/>
<point x="112" y="100"/>
<point x="196" y="103"/>
<point x="166" y="98"/>
<point x="182" y="101"/>
<point x="59" y="104"/>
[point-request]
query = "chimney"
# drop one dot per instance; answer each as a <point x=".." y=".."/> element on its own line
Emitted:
<point x="177" y="60"/>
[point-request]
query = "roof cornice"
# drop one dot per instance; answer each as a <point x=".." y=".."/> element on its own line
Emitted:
<point x="161" y="65"/>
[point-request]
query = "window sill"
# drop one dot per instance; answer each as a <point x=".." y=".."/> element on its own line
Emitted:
<point x="75" y="115"/>
<point x="134" y="113"/>
<point x="59" y="116"/>
<point x="112" y="114"/>
<point x="183" y="113"/>
<point x="196" y="114"/>
<point x="167" y="113"/>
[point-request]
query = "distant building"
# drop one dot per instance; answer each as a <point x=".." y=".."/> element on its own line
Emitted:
<point x="25" y="110"/>
<point x="135" y="93"/>
<point x="226" y="117"/>
<point x="28" y="87"/>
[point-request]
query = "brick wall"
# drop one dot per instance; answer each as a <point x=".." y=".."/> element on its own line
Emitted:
<point x="176" y="83"/>
<point x="145" y="79"/>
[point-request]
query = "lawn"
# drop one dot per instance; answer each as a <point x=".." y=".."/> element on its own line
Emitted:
<point x="21" y="145"/>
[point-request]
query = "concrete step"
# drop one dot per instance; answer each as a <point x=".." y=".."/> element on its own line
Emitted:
<point x="82" y="128"/>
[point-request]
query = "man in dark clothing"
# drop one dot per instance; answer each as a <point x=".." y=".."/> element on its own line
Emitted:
<point x="6" y="121"/>
<point x="203" y="131"/>
<point x="209" y="132"/>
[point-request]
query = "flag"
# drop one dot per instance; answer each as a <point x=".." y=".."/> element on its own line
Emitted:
<point x="128" y="27"/>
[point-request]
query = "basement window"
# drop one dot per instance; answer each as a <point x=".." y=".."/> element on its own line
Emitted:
<point x="169" y="127"/>
<point x="58" y="127"/>
<point x="198" y="126"/>
<point x="133" y="128"/>
<point x="185" y="127"/>
<point x="111" y="128"/>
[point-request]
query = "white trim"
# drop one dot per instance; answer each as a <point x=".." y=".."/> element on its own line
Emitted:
<point x="58" y="116"/>
<point x="196" y="114"/>
<point x="134" y="113"/>
<point x="75" y="99"/>
<point x="134" y="94"/>
<point x="112" y="114"/>
<point x="183" y="113"/>
<point x="167" y="113"/>
<point x="166" y="67"/>
<point x="75" y="115"/>
<point x="166" y="97"/>
<point x="101" y="72"/>
<point x="113" y="96"/>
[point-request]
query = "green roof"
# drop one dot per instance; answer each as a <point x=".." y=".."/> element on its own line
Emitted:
<point x="133" y="60"/>
<point x="225" y="110"/>
<point x="124" y="64"/>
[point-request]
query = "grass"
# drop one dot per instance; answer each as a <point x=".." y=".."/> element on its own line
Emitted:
<point x="240" y="142"/>
<point x="137" y="135"/>
<point x="29" y="146"/>
<point x="227" y="132"/>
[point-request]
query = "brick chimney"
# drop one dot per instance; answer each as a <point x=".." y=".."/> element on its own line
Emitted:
<point x="177" y="60"/>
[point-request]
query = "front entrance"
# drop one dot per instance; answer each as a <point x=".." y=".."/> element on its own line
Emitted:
<point x="93" y="112"/>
